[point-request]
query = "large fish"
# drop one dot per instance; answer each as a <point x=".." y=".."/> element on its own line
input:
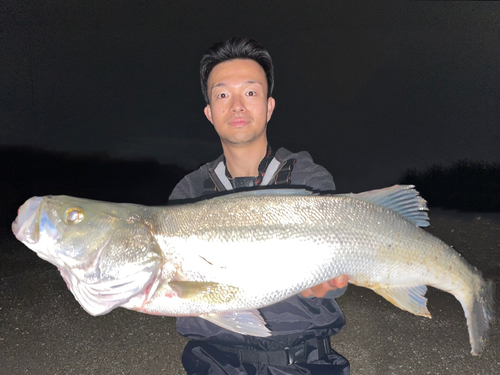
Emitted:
<point x="223" y="258"/>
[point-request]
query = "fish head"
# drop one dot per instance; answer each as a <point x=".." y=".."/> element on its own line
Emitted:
<point x="65" y="231"/>
<point x="104" y="251"/>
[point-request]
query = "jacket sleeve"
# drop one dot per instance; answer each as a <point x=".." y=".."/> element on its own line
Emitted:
<point x="309" y="174"/>
<point x="320" y="179"/>
<point x="191" y="187"/>
<point x="181" y="190"/>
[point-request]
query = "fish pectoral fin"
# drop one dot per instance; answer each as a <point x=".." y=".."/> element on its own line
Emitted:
<point x="202" y="291"/>
<point x="407" y="298"/>
<point x="242" y="322"/>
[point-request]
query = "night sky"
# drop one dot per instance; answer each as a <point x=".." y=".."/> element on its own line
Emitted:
<point x="371" y="90"/>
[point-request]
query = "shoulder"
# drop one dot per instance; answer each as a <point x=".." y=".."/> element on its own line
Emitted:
<point x="306" y="172"/>
<point x="192" y="185"/>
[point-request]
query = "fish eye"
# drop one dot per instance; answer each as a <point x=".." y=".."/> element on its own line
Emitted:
<point x="74" y="215"/>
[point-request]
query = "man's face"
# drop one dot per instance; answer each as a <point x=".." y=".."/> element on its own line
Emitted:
<point x="239" y="108"/>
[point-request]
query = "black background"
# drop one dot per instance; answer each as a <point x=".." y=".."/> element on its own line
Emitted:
<point x="102" y="99"/>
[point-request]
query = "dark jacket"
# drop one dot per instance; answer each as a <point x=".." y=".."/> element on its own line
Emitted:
<point x="292" y="321"/>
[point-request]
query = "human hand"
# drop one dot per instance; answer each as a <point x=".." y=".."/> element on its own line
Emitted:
<point x="321" y="289"/>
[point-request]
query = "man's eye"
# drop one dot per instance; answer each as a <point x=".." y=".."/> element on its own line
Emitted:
<point x="222" y="95"/>
<point x="251" y="93"/>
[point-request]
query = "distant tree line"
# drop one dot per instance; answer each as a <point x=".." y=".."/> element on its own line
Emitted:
<point x="464" y="186"/>
<point x="27" y="172"/>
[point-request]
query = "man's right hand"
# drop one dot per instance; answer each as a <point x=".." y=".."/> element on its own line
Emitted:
<point x="321" y="289"/>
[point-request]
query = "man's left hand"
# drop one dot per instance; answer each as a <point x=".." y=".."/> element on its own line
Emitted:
<point x="321" y="289"/>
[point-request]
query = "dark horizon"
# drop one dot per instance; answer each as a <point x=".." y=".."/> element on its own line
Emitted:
<point x="28" y="171"/>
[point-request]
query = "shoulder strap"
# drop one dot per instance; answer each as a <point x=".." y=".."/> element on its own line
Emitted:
<point x="284" y="175"/>
<point x="280" y="174"/>
<point x="220" y="179"/>
<point x="271" y="171"/>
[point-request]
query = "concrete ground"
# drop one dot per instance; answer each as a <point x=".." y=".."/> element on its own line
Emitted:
<point x="43" y="330"/>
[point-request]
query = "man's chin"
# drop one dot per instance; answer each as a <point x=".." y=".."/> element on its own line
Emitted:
<point x="243" y="137"/>
<point x="239" y="142"/>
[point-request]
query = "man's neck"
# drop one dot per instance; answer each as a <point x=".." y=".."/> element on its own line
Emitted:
<point x="243" y="161"/>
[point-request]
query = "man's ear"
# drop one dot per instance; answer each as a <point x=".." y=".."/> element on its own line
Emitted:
<point x="271" y="103"/>
<point x="208" y="113"/>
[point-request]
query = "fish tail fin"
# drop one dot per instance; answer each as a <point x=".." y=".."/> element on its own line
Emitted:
<point x="479" y="313"/>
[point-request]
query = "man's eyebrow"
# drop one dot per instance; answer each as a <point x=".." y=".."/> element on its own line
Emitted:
<point x="222" y="84"/>
<point x="250" y="82"/>
<point x="218" y="85"/>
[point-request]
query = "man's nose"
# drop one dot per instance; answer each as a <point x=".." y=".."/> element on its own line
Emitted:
<point x="237" y="105"/>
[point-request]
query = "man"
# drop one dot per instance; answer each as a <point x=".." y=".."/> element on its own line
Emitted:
<point x="237" y="81"/>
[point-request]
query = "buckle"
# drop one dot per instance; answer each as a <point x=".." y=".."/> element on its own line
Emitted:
<point x="324" y="347"/>
<point x="296" y="354"/>
<point x="288" y="356"/>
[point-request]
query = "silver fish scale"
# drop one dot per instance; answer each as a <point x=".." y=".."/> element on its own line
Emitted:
<point x="330" y="235"/>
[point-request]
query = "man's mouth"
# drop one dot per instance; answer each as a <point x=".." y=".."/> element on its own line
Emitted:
<point x="238" y="121"/>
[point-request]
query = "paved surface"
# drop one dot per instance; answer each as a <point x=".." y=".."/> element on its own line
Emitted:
<point x="43" y="330"/>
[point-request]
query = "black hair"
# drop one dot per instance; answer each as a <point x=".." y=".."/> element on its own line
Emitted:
<point x="232" y="49"/>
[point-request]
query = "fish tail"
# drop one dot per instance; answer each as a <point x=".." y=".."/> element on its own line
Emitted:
<point x="479" y="313"/>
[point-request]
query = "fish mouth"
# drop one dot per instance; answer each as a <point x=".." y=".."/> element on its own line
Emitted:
<point x="34" y="228"/>
<point x="26" y="225"/>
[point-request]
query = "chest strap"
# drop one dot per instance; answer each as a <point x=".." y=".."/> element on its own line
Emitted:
<point x="276" y="173"/>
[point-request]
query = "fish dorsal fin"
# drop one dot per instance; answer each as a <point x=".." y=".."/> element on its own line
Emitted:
<point x="403" y="199"/>
<point x="272" y="192"/>
<point x="266" y="193"/>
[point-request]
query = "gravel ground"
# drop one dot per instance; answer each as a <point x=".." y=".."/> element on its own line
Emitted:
<point x="43" y="330"/>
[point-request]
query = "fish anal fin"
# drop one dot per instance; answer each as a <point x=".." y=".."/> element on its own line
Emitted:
<point x="243" y="322"/>
<point x="406" y="298"/>
<point x="208" y="292"/>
